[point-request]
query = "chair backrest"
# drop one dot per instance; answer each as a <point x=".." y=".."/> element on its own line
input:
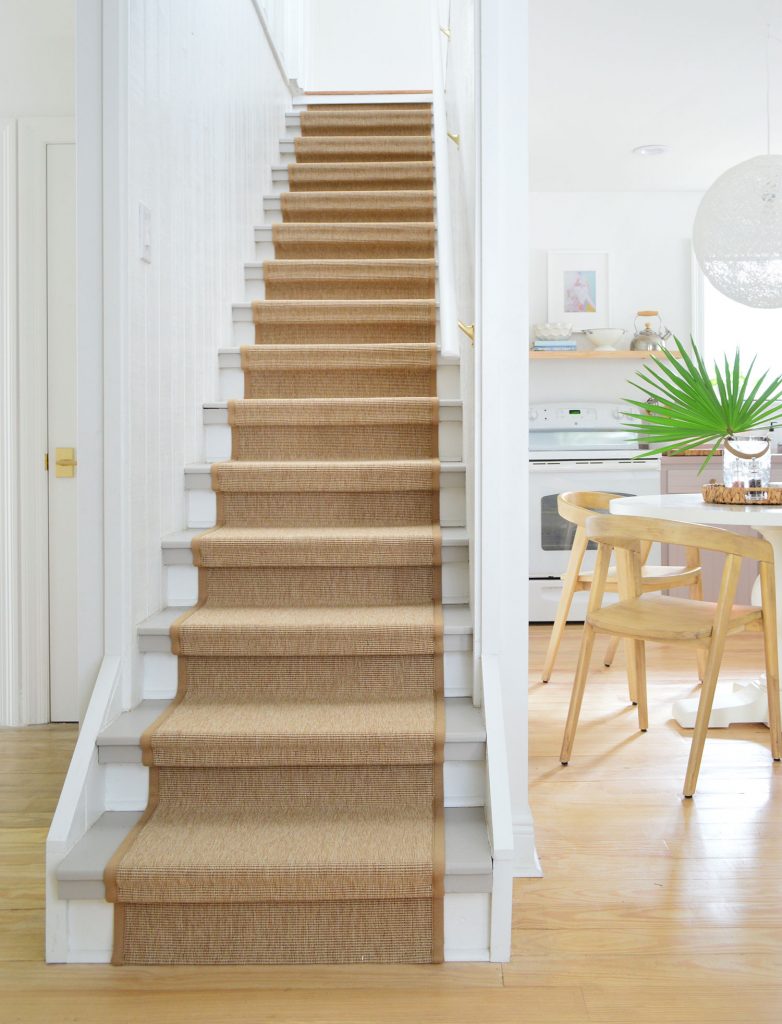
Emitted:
<point x="578" y="506"/>
<point x="631" y="532"/>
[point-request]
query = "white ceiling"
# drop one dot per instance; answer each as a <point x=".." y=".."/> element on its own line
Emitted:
<point x="609" y="75"/>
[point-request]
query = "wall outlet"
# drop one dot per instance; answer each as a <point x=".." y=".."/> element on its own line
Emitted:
<point x="144" y="233"/>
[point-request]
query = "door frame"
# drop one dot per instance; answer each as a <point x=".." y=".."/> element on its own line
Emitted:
<point x="10" y="688"/>
<point x="35" y="134"/>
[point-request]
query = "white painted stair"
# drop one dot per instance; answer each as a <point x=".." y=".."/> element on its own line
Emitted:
<point x="254" y="287"/>
<point x="264" y="246"/>
<point x="244" y="328"/>
<point x="180" y="576"/>
<point x="231" y="380"/>
<point x="217" y="432"/>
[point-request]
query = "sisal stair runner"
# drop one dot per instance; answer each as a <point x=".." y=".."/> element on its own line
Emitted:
<point x="295" y="809"/>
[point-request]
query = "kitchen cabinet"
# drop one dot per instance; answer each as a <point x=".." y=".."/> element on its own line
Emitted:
<point x="682" y="475"/>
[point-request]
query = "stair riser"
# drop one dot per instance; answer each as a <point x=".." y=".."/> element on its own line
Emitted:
<point x="217" y="442"/>
<point x="467" y="922"/>
<point x="232" y="382"/>
<point x="181" y="584"/>
<point x="159" y="674"/>
<point x="127" y="785"/>
<point x="202" y="505"/>
<point x="255" y="289"/>
<point x="243" y="332"/>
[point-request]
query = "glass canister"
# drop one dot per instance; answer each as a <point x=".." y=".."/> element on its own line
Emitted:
<point x="746" y="462"/>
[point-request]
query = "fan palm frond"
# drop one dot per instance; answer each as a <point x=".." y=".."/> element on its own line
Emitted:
<point x="685" y="406"/>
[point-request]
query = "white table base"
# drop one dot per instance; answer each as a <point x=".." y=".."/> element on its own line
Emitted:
<point x="734" y="703"/>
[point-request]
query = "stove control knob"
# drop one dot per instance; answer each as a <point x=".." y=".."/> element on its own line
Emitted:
<point x="533" y="414"/>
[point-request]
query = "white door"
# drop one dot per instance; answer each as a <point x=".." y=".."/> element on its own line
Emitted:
<point x="61" y="410"/>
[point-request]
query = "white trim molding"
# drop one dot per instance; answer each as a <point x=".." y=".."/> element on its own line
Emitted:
<point x="10" y="677"/>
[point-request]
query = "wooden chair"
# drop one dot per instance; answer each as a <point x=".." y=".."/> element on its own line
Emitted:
<point x="640" y="616"/>
<point x="577" y="507"/>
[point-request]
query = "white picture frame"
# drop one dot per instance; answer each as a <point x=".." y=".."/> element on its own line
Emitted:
<point x="578" y="288"/>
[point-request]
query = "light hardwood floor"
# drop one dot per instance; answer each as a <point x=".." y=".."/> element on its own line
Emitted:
<point x="652" y="909"/>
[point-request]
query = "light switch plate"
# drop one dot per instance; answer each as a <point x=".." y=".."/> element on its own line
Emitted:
<point x="144" y="233"/>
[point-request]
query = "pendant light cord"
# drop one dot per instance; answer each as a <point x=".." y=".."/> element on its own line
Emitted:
<point x="768" y="88"/>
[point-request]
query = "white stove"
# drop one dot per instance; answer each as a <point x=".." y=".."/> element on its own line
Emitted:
<point x="576" y="446"/>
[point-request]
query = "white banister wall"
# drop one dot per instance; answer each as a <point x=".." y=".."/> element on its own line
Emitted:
<point x="286" y="22"/>
<point x="205" y="108"/>
<point x="360" y="46"/>
<point x="502" y="383"/>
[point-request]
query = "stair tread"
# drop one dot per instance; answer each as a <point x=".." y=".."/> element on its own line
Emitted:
<point x="234" y="355"/>
<point x="467" y="851"/>
<point x="206" y="467"/>
<point x="457" y="619"/>
<point x="357" y="226"/>
<point x="444" y="403"/>
<point x="463" y="723"/>
<point x="452" y="536"/>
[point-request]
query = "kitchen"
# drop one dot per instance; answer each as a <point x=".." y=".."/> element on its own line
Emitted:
<point x="634" y="113"/>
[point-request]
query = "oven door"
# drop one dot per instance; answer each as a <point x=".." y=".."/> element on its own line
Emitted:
<point x="550" y="536"/>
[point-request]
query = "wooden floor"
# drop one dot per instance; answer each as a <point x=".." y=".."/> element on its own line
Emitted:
<point x="652" y="909"/>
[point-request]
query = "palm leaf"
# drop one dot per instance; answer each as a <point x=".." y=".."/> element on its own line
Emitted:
<point x="686" y="406"/>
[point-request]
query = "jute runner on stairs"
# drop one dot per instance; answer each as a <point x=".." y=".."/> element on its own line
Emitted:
<point x="295" y="807"/>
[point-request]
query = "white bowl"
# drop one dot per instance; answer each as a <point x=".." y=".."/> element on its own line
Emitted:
<point x="605" y="337"/>
<point x="552" y="332"/>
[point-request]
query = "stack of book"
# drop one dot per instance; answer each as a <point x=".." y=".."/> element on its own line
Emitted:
<point x="567" y="345"/>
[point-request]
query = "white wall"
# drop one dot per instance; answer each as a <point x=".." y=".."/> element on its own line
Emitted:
<point x="36" y="82"/>
<point x="648" y="235"/>
<point x="205" y="112"/>
<point x="357" y="45"/>
<point x="36" y="58"/>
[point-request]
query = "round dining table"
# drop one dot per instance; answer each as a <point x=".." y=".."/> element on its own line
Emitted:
<point x="733" y="702"/>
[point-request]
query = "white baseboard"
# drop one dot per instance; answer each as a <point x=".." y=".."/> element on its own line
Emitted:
<point x="526" y="863"/>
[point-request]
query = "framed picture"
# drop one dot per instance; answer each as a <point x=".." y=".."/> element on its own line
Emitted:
<point x="578" y="289"/>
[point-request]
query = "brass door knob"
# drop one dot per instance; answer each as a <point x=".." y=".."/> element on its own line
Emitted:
<point x="65" y="462"/>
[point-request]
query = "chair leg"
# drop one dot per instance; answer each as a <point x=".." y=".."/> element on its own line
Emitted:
<point x="719" y="634"/>
<point x="772" y="658"/>
<point x="636" y="673"/>
<point x="610" y="653"/>
<point x="569" y="583"/>
<point x="704" y="714"/>
<point x="701" y="654"/>
<point x="631" y="677"/>
<point x="557" y="630"/>
<point x="577" y="693"/>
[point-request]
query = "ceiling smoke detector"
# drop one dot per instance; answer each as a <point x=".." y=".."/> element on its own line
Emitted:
<point x="653" y="149"/>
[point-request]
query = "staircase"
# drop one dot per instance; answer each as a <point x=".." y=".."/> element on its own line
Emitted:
<point x="117" y="790"/>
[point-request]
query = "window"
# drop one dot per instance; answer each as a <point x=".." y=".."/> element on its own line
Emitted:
<point x="726" y="324"/>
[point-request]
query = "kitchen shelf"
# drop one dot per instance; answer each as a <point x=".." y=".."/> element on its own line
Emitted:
<point x="584" y="354"/>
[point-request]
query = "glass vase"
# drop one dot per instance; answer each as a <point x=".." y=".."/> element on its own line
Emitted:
<point x="746" y="462"/>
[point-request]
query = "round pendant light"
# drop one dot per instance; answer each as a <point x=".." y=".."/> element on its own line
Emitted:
<point x="737" y="234"/>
